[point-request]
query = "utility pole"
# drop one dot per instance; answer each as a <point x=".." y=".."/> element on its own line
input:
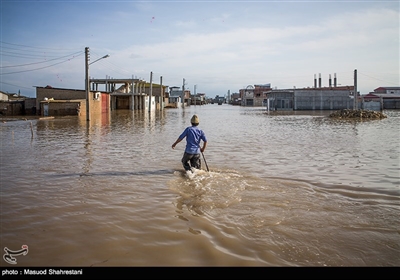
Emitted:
<point x="195" y="97"/>
<point x="161" y="94"/>
<point x="87" y="82"/>
<point x="183" y="93"/>
<point x="151" y="90"/>
<point x="355" y="90"/>
<point x="133" y="94"/>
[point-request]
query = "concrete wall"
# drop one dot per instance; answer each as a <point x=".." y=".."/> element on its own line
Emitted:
<point x="12" y="108"/>
<point x="18" y="107"/>
<point x="372" y="105"/>
<point x="322" y="99"/>
<point x="155" y="91"/>
<point x="62" y="108"/>
<point x="71" y="108"/>
<point x="3" y="96"/>
<point x="95" y="107"/>
<point x="391" y="103"/>
<point x="30" y="106"/>
<point x="151" y="106"/>
<point x="304" y="100"/>
<point x="64" y="102"/>
<point x="280" y="100"/>
<point x="58" y="94"/>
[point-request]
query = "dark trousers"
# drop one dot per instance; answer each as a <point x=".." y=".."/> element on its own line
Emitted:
<point x="191" y="160"/>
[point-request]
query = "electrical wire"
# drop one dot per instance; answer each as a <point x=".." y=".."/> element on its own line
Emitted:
<point x="33" y="63"/>
<point x="34" y="47"/>
<point x="22" y="71"/>
<point x="1" y="82"/>
<point x="377" y="78"/>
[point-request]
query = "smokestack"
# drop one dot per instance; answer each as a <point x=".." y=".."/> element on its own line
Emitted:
<point x="315" y="81"/>
<point x="334" y="80"/>
<point x="330" y="81"/>
<point x="319" y="79"/>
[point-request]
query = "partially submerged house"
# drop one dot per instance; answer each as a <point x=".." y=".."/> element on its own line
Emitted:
<point x="386" y="97"/>
<point x="61" y="102"/>
<point x="14" y="104"/>
<point x="198" y="99"/>
<point x="133" y="94"/>
<point x="178" y="98"/>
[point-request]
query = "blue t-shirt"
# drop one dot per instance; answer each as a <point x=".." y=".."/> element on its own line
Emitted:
<point x="193" y="136"/>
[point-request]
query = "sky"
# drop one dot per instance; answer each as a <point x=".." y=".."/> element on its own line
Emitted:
<point x="211" y="47"/>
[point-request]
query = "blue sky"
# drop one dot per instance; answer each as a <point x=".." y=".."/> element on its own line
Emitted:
<point x="215" y="46"/>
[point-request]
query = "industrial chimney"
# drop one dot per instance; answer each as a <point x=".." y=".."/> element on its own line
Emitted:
<point x="319" y="79"/>
<point x="315" y="80"/>
<point x="330" y="80"/>
<point x="334" y="81"/>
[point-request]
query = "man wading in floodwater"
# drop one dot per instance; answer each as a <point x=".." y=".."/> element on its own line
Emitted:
<point x="194" y="135"/>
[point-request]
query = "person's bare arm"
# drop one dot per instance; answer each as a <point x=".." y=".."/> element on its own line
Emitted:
<point x="204" y="146"/>
<point x="176" y="142"/>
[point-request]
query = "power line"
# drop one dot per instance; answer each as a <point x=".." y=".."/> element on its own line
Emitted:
<point x="32" y="52"/>
<point x="14" y="85"/>
<point x="378" y="79"/>
<point x="36" y="53"/>
<point x="10" y="66"/>
<point x="22" y="71"/>
<point x="29" y="56"/>
<point x="33" y="47"/>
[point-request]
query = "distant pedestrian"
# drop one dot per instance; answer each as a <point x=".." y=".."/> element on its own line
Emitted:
<point x="194" y="135"/>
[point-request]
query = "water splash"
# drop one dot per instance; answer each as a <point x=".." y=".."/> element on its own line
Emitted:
<point x="205" y="191"/>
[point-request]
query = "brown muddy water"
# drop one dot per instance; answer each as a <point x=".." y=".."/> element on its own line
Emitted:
<point x="283" y="189"/>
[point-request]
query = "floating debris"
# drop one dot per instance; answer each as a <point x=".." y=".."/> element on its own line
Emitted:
<point x="357" y="114"/>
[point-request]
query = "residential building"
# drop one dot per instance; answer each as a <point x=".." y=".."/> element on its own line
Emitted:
<point x="387" y="90"/>
<point x="198" y="99"/>
<point x="14" y="104"/>
<point x="235" y="99"/>
<point x="3" y="96"/>
<point x="387" y="97"/>
<point x="175" y="97"/>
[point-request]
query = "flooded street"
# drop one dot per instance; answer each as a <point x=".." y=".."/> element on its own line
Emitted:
<point x="283" y="189"/>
